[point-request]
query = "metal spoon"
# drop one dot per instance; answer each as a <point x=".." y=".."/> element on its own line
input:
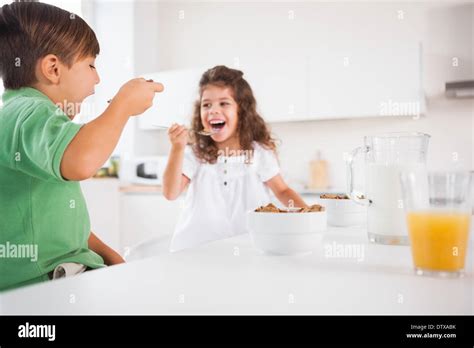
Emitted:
<point x="202" y="132"/>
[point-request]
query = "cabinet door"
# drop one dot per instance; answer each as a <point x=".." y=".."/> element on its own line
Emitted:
<point x="175" y="103"/>
<point x="102" y="197"/>
<point x="362" y="79"/>
<point x="145" y="216"/>
<point x="279" y="82"/>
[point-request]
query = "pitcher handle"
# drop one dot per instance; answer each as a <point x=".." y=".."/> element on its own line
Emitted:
<point x="359" y="198"/>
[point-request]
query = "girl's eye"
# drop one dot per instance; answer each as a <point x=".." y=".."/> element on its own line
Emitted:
<point x="205" y="105"/>
<point x="93" y="67"/>
<point x="225" y="103"/>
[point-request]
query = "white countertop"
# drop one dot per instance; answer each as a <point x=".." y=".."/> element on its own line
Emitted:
<point x="231" y="277"/>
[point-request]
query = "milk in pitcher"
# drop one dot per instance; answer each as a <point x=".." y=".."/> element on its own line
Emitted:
<point x="385" y="215"/>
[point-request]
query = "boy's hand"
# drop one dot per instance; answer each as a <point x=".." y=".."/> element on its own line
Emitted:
<point x="109" y="255"/>
<point x="113" y="258"/>
<point x="136" y="96"/>
<point x="178" y="136"/>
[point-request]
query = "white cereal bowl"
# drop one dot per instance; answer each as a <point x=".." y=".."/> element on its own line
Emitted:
<point x="286" y="233"/>
<point x="344" y="212"/>
<point x="285" y="244"/>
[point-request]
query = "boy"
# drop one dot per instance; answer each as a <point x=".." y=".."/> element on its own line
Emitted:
<point x="47" y="65"/>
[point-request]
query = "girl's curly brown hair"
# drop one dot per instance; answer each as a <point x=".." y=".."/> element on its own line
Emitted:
<point x="250" y="127"/>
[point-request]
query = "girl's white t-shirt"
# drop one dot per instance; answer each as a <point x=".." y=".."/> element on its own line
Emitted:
<point x="220" y="195"/>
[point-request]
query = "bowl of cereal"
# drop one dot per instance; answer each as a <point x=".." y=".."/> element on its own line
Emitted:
<point x="343" y="211"/>
<point x="286" y="231"/>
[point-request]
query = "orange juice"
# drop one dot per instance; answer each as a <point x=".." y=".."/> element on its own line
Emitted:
<point x="438" y="239"/>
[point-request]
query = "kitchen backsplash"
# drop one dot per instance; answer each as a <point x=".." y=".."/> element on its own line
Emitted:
<point x="449" y="122"/>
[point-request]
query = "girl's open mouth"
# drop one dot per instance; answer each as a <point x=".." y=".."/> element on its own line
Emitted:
<point x="217" y="125"/>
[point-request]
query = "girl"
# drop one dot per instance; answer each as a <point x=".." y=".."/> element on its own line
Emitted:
<point x="229" y="172"/>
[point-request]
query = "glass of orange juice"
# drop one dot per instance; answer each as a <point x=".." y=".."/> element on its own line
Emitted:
<point x="438" y="214"/>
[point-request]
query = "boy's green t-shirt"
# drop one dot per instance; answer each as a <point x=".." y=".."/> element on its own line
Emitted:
<point x="40" y="212"/>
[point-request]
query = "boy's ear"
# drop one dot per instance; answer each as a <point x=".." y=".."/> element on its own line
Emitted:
<point x="50" y="68"/>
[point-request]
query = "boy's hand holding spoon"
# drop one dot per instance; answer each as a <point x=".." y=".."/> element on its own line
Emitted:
<point x="136" y="96"/>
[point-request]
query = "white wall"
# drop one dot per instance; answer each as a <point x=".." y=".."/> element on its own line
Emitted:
<point x="449" y="122"/>
<point x="214" y="33"/>
<point x="147" y="41"/>
<point x="113" y="24"/>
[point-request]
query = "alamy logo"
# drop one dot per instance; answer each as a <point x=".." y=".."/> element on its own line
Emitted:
<point x="20" y="251"/>
<point x="37" y="331"/>
<point x="344" y="251"/>
<point x="393" y="108"/>
<point x="240" y="156"/>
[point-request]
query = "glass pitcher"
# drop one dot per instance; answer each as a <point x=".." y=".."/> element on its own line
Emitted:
<point x="385" y="157"/>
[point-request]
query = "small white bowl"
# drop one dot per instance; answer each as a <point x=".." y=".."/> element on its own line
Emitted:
<point x="344" y="212"/>
<point x="286" y="233"/>
<point x="286" y="244"/>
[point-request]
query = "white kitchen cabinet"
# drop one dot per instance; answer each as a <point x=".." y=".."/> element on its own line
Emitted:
<point x="102" y="198"/>
<point x="175" y="103"/>
<point x="280" y="85"/>
<point x="338" y="80"/>
<point x="125" y="219"/>
<point x="146" y="216"/>
<point x="364" y="79"/>
<point x="307" y="61"/>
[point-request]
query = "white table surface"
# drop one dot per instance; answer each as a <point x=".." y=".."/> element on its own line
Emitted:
<point x="231" y="277"/>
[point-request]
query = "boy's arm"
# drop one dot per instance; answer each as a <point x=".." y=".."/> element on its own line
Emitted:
<point x="96" y="140"/>
<point x="93" y="145"/>
<point x="110" y="256"/>
<point x="284" y="193"/>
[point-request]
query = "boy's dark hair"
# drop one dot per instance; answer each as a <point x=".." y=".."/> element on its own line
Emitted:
<point x="31" y="30"/>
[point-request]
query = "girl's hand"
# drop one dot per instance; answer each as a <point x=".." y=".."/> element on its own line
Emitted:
<point x="178" y="136"/>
